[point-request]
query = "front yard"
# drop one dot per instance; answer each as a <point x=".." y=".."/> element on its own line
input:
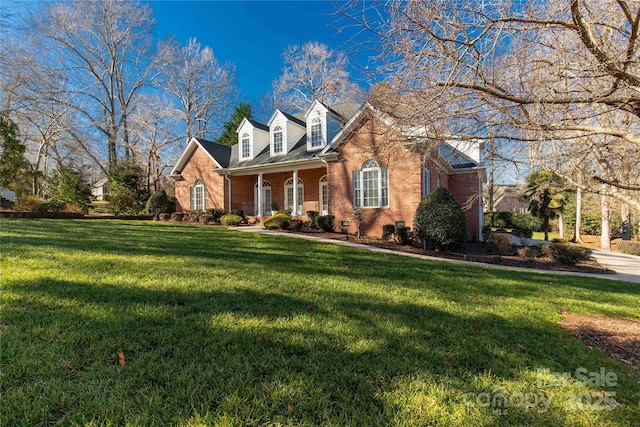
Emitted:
<point x="140" y="323"/>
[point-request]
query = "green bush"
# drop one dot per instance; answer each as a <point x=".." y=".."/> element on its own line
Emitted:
<point x="567" y="254"/>
<point x="523" y="221"/>
<point x="403" y="236"/>
<point x="387" y="231"/>
<point x="325" y="222"/>
<point x="217" y="213"/>
<point x="230" y="219"/>
<point x="28" y="204"/>
<point x="439" y="218"/>
<point x="177" y="216"/>
<point x="128" y="192"/>
<point x="238" y="212"/>
<point x="296" y="225"/>
<point x="629" y="247"/>
<point x="158" y="202"/>
<point x="66" y="186"/>
<point x="499" y="243"/>
<point x="278" y="220"/>
<point x="313" y="216"/>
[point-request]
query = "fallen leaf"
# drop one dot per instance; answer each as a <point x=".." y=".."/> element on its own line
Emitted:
<point x="291" y="406"/>
<point x="60" y="421"/>
<point x="121" y="358"/>
<point x="53" y="257"/>
<point x="308" y="254"/>
<point x="393" y="304"/>
<point x="448" y="365"/>
<point x="311" y="308"/>
<point x="281" y="289"/>
<point x="258" y="338"/>
<point x="478" y="299"/>
<point x="346" y="267"/>
<point x="475" y="327"/>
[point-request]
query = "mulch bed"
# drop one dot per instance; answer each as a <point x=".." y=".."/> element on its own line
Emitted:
<point x="616" y="338"/>
<point x="474" y="252"/>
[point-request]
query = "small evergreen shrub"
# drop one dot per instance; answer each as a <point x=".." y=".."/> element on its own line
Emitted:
<point x="28" y="204"/>
<point x="567" y="254"/>
<point x="388" y="230"/>
<point x="276" y="221"/>
<point x="238" y="212"/>
<point x="165" y="216"/>
<point x="528" y="252"/>
<point x="313" y="216"/>
<point x="177" y="216"/>
<point x="158" y="202"/>
<point x="629" y="247"/>
<point x="439" y="218"/>
<point x="403" y="235"/>
<point x="325" y="222"/>
<point x="296" y="225"/>
<point x="230" y="219"/>
<point x="216" y="213"/>
<point x="499" y="244"/>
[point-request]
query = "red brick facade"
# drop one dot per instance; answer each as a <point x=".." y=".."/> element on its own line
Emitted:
<point x="200" y="166"/>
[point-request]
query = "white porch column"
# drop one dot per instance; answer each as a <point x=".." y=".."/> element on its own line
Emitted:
<point x="260" y="195"/>
<point x="294" y="210"/>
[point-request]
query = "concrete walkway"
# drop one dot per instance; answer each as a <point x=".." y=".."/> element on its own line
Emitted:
<point x="627" y="267"/>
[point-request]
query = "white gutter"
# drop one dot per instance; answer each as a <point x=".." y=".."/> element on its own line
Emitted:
<point x="226" y="176"/>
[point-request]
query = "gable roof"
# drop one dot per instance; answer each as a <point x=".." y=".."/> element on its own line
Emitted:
<point x="220" y="154"/>
<point x="253" y="123"/>
<point x="287" y="116"/>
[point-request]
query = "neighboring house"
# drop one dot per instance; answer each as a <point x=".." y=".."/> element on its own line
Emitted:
<point x="100" y="189"/>
<point x="7" y="195"/>
<point x="506" y="198"/>
<point x="331" y="160"/>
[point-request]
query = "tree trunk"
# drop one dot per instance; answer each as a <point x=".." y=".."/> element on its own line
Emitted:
<point x="546" y="228"/>
<point x="577" y="232"/>
<point x="561" y="226"/>
<point x="605" y="235"/>
<point x="626" y="221"/>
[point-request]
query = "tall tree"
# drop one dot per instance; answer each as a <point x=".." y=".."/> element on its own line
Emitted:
<point x="544" y="193"/>
<point x="313" y="71"/>
<point x="14" y="167"/>
<point x="229" y="134"/>
<point x="556" y="71"/>
<point x="101" y="52"/>
<point x="203" y="88"/>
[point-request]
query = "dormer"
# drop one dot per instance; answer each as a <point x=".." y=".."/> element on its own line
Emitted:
<point x="322" y="125"/>
<point x="285" y="131"/>
<point x="253" y="137"/>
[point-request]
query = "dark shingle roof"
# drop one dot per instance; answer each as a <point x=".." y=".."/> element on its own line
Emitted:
<point x="298" y="152"/>
<point x="294" y="119"/>
<point x="258" y="125"/>
<point x="220" y="152"/>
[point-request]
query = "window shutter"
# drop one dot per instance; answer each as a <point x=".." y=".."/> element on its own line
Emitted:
<point x="193" y="198"/>
<point x="356" y="188"/>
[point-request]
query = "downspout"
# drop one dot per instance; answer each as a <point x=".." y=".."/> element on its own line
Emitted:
<point x="226" y="176"/>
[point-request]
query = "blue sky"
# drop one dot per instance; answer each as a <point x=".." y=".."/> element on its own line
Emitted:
<point x="250" y="34"/>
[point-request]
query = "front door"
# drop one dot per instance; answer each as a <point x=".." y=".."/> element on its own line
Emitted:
<point x="266" y="198"/>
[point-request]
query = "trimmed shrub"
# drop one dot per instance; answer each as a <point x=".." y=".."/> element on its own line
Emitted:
<point x="439" y="218"/>
<point x="28" y="204"/>
<point x="177" y="216"/>
<point x="403" y="236"/>
<point x="629" y="247"/>
<point x="158" y="202"/>
<point x="525" y="221"/>
<point x="165" y="216"/>
<point x="296" y="225"/>
<point x="499" y="243"/>
<point x="313" y="215"/>
<point x="77" y="208"/>
<point x="230" y="219"/>
<point x="238" y="212"/>
<point x="206" y="219"/>
<point x="567" y="254"/>
<point x="325" y="222"/>
<point x="519" y="232"/>
<point x="388" y="230"/>
<point x="216" y="213"/>
<point x="278" y="220"/>
<point x="528" y="252"/>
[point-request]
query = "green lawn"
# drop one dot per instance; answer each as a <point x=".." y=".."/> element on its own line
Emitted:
<point x="218" y="327"/>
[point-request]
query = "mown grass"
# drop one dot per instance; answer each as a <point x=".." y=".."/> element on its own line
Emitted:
<point x="218" y="327"/>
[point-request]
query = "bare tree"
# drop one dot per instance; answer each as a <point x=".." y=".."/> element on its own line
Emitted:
<point x="562" y="75"/>
<point x="101" y="52"/>
<point x="204" y="89"/>
<point x="313" y="71"/>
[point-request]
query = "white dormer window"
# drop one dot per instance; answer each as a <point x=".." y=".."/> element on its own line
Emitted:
<point x="316" y="133"/>
<point x="245" y="145"/>
<point x="277" y="140"/>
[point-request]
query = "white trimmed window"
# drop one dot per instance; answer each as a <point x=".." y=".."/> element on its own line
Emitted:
<point x="426" y="182"/>
<point x="324" y="196"/>
<point x="198" y="196"/>
<point x="316" y="133"/>
<point x="371" y="186"/>
<point x="245" y="145"/>
<point x="277" y="140"/>
<point x="288" y="195"/>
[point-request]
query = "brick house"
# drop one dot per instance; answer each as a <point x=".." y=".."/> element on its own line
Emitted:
<point x="330" y="159"/>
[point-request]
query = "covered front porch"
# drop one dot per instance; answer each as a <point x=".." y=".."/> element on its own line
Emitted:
<point x="296" y="190"/>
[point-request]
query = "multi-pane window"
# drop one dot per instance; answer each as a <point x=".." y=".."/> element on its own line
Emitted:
<point x="316" y="133"/>
<point x="288" y="191"/>
<point x="266" y="197"/>
<point x="324" y="196"/>
<point x="371" y="186"/>
<point x="277" y="140"/>
<point x="198" y="196"/>
<point x="246" y="146"/>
